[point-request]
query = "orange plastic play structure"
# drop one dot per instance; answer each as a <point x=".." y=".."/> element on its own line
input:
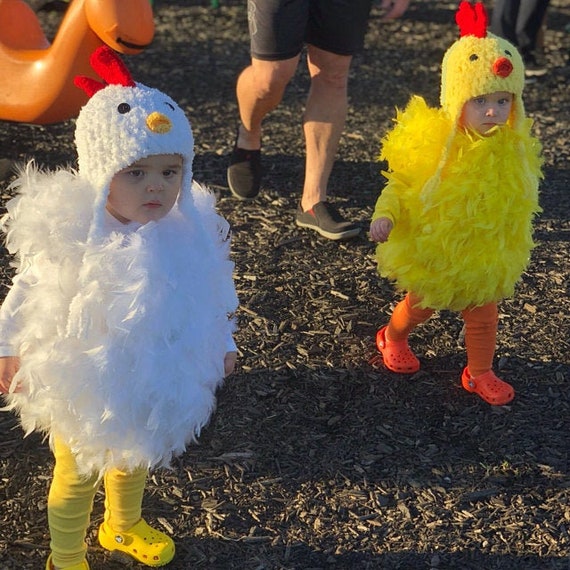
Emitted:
<point x="36" y="77"/>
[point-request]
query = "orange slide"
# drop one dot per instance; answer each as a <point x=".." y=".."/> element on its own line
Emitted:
<point x="36" y="77"/>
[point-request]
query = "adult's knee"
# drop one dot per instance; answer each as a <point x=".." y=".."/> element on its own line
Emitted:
<point x="270" y="78"/>
<point x="328" y="69"/>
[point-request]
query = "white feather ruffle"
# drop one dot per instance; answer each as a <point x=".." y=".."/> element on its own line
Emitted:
<point x="125" y="336"/>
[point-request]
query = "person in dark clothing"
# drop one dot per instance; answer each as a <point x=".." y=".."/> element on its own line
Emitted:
<point x="332" y="31"/>
<point x="521" y="22"/>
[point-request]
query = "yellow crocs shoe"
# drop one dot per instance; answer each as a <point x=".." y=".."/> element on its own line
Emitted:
<point x="141" y="542"/>
<point x="82" y="566"/>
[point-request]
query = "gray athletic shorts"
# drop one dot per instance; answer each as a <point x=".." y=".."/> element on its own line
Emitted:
<point x="279" y="28"/>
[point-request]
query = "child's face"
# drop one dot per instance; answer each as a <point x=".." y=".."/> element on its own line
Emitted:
<point x="485" y="111"/>
<point x="146" y="190"/>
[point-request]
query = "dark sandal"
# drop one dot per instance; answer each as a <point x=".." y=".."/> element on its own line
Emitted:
<point x="396" y="354"/>
<point x="244" y="172"/>
<point x="490" y="387"/>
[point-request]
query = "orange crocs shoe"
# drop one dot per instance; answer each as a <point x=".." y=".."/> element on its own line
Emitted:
<point x="396" y="354"/>
<point x="142" y="542"/>
<point x="490" y="387"/>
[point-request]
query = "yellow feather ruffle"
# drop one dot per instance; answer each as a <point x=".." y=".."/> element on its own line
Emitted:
<point x="467" y="243"/>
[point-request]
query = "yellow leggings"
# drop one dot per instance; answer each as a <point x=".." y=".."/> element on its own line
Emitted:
<point x="70" y="503"/>
<point x="480" y="330"/>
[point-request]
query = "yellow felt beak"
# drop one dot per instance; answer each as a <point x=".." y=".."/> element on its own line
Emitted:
<point x="158" y="123"/>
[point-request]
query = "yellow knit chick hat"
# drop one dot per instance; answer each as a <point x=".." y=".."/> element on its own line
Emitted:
<point x="480" y="63"/>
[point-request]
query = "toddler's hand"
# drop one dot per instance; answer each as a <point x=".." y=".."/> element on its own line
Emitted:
<point x="230" y="362"/>
<point x="380" y="229"/>
<point x="9" y="365"/>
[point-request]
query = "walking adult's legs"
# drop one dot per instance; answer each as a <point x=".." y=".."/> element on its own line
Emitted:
<point x="520" y="22"/>
<point x="529" y="23"/>
<point x="259" y="90"/>
<point x="504" y="19"/>
<point x="323" y="121"/>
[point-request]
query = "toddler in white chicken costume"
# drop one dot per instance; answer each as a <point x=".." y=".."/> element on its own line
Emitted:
<point x="118" y="329"/>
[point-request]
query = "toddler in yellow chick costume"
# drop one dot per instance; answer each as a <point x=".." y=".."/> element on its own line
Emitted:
<point x="454" y="222"/>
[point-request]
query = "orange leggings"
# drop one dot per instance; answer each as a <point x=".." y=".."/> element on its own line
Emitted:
<point x="480" y="330"/>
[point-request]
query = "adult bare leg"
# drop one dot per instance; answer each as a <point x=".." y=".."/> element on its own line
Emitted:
<point x="324" y="120"/>
<point x="259" y="90"/>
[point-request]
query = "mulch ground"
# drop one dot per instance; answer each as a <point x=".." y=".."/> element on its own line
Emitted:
<point x="317" y="457"/>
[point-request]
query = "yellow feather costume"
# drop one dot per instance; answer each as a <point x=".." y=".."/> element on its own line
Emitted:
<point x="462" y="203"/>
<point x="466" y="241"/>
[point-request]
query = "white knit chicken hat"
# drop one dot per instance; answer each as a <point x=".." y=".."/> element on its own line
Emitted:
<point x="123" y="122"/>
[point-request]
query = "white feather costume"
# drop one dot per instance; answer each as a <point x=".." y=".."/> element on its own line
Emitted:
<point x="121" y="329"/>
